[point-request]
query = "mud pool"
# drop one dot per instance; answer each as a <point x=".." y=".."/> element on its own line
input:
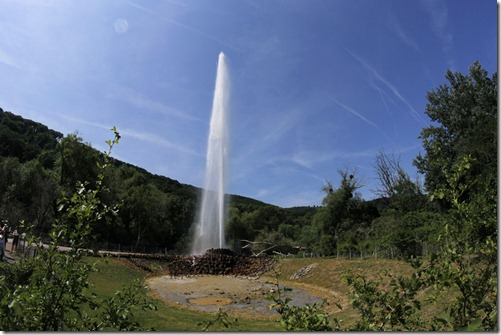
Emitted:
<point x="236" y="296"/>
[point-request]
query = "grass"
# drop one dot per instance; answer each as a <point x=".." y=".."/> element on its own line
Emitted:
<point x="114" y="274"/>
<point x="325" y="280"/>
<point x="327" y="275"/>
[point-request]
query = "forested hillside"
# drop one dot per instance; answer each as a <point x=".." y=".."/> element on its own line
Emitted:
<point x="39" y="165"/>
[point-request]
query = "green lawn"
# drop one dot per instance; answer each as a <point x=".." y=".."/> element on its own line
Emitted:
<point x="115" y="273"/>
<point x="327" y="276"/>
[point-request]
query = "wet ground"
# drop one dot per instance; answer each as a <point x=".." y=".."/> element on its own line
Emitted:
<point x="235" y="295"/>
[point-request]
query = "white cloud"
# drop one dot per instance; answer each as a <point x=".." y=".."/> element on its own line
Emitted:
<point x="142" y="136"/>
<point x="89" y="123"/>
<point x="30" y="3"/>
<point x="15" y="41"/>
<point x="388" y="85"/>
<point x="141" y="101"/>
<point x="121" y="26"/>
<point x="354" y="112"/>
<point x="402" y="35"/>
<point x="9" y="60"/>
<point x="439" y="15"/>
<point x="155" y="139"/>
<point x="264" y="192"/>
<point x="309" y="158"/>
<point x="184" y="26"/>
<point x="360" y="116"/>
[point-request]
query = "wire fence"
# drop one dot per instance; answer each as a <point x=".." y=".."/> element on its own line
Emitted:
<point x="24" y="250"/>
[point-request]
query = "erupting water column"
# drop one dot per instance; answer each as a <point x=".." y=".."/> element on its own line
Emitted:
<point x="209" y="231"/>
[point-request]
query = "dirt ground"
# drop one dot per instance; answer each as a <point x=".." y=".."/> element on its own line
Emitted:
<point x="237" y="296"/>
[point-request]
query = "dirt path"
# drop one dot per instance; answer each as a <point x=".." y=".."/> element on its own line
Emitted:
<point x="236" y="296"/>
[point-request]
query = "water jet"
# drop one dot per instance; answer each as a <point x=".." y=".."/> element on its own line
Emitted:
<point x="209" y="229"/>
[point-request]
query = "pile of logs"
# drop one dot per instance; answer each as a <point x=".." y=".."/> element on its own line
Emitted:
<point x="212" y="262"/>
<point x="220" y="262"/>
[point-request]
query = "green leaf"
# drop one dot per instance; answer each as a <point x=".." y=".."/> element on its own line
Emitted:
<point x="475" y="325"/>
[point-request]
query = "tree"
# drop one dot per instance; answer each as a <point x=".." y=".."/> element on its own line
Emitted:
<point x="466" y="263"/>
<point x="26" y="139"/>
<point x="342" y="210"/>
<point x="77" y="161"/>
<point x="409" y="223"/>
<point x="466" y="113"/>
<point x="460" y="164"/>
<point x="141" y="204"/>
<point x="397" y="189"/>
<point x="39" y="192"/>
<point x="51" y="295"/>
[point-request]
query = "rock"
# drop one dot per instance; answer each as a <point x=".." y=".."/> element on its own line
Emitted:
<point x="303" y="271"/>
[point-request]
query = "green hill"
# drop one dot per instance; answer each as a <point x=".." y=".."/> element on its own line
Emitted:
<point x="38" y="164"/>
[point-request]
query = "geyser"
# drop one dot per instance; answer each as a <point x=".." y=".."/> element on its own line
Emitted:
<point x="209" y="230"/>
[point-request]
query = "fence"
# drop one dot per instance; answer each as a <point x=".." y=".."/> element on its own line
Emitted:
<point x="374" y="253"/>
<point x="108" y="246"/>
<point x="23" y="249"/>
<point x="27" y="251"/>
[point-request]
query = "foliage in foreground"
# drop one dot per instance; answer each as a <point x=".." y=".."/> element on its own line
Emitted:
<point x="464" y="268"/>
<point x="48" y="292"/>
<point x="296" y="318"/>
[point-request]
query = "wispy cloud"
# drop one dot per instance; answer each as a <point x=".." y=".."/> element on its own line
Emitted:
<point x="82" y="121"/>
<point x="184" y="26"/>
<point x="9" y="60"/>
<point x="360" y="116"/>
<point x="310" y="158"/>
<point x="354" y="112"/>
<point x="388" y="85"/>
<point x="152" y="138"/>
<point x="141" y="101"/>
<point x="271" y="129"/>
<point x="401" y="34"/>
<point x="439" y="16"/>
<point x="438" y="12"/>
<point x="265" y="192"/>
<point x="38" y="3"/>
<point x="301" y="171"/>
<point x="281" y="127"/>
<point x="290" y="196"/>
<point x="383" y="95"/>
<point x="14" y="40"/>
<point x="142" y="136"/>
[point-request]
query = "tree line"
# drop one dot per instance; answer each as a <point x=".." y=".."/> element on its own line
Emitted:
<point x="68" y="193"/>
<point x="445" y="228"/>
<point x="39" y="165"/>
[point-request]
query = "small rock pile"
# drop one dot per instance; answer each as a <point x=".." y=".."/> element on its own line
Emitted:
<point x="212" y="262"/>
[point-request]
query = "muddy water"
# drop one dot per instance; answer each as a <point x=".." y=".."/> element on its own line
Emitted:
<point x="236" y="296"/>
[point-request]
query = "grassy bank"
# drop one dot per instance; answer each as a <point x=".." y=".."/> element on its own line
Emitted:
<point x="115" y="273"/>
<point x="324" y="280"/>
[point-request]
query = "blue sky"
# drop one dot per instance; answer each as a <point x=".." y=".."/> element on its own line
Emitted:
<point x="316" y="85"/>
